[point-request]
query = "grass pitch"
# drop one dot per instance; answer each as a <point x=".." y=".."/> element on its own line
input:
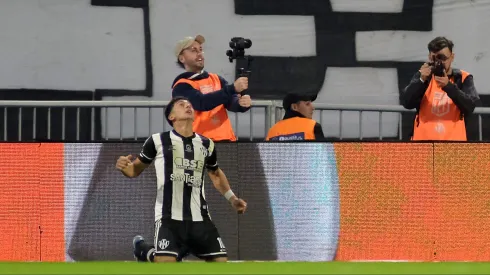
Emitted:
<point x="244" y="268"/>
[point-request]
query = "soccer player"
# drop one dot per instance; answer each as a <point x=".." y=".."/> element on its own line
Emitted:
<point x="182" y="221"/>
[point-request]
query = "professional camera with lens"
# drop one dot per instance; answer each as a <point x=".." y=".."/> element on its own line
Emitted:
<point x="437" y="66"/>
<point x="238" y="46"/>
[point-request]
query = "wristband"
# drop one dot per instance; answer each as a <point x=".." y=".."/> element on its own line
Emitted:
<point x="229" y="194"/>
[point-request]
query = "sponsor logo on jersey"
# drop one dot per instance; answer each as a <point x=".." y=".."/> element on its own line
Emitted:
<point x="186" y="178"/>
<point x="194" y="165"/>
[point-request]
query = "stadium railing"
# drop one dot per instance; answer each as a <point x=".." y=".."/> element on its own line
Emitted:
<point x="251" y="125"/>
<point x="145" y="115"/>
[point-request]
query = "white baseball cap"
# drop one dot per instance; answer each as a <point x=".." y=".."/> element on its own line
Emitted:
<point x="187" y="42"/>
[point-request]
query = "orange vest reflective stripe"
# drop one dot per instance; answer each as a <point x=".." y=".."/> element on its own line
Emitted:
<point x="213" y="124"/>
<point x="295" y="128"/>
<point x="438" y="117"/>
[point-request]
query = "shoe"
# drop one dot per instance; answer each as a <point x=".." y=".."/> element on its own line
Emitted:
<point x="137" y="239"/>
<point x="137" y="251"/>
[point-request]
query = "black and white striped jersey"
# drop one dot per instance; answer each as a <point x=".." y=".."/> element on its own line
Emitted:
<point x="180" y="163"/>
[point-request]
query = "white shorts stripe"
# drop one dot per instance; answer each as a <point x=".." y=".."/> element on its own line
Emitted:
<point x="212" y="254"/>
<point x="158" y="224"/>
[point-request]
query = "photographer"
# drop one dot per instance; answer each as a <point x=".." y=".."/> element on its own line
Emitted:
<point x="442" y="95"/>
<point x="209" y="94"/>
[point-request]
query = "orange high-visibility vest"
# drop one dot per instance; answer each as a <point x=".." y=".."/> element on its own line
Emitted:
<point x="438" y="117"/>
<point x="295" y="128"/>
<point x="213" y="124"/>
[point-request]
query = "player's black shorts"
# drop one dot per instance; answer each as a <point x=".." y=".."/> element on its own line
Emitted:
<point x="173" y="238"/>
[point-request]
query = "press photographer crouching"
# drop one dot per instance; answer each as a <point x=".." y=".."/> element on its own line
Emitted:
<point x="442" y="95"/>
<point x="297" y="123"/>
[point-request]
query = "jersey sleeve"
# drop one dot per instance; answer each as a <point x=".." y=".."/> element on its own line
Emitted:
<point x="148" y="152"/>
<point x="212" y="162"/>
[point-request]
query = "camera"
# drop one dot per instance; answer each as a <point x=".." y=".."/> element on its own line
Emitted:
<point x="437" y="66"/>
<point x="238" y="46"/>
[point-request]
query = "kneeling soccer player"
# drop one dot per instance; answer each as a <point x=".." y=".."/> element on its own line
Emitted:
<point x="182" y="221"/>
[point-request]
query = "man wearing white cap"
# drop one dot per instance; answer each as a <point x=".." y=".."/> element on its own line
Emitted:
<point x="210" y="94"/>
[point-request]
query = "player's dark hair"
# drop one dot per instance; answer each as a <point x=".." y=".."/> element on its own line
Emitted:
<point x="170" y="106"/>
<point x="440" y="43"/>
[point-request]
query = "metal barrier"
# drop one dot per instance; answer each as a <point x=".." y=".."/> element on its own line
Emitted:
<point x="254" y="124"/>
<point x="361" y="109"/>
<point x="140" y="127"/>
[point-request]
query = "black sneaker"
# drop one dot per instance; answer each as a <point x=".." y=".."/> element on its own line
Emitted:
<point x="140" y="247"/>
<point x="138" y="251"/>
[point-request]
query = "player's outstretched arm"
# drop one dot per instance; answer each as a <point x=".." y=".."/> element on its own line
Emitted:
<point x="129" y="168"/>
<point x="221" y="183"/>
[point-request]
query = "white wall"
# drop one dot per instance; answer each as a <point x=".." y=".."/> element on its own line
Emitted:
<point x="69" y="44"/>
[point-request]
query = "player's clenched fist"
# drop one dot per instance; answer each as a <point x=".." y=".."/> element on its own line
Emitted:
<point x="241" y="84"/>
<point x="239" y="205"/>
<point x="123" y="162"/>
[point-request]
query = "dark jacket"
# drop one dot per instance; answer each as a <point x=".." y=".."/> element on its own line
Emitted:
<point x="206" y="102"/>
<point x="317" y="129"/>
<point x="463" y="94"/>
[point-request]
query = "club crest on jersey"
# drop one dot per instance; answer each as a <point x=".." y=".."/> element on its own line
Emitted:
<point x="205" y="152"/>
<point x="188" y="148"/>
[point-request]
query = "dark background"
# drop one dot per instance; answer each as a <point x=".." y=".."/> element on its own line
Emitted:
<point x="117" y="208"/>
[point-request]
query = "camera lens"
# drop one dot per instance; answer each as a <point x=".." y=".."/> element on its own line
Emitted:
<point x="247" y="43"/>
<point x="238" y="46"/>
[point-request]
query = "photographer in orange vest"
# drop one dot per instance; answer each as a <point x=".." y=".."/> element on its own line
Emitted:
<point x="442" y="95"/>
<point x="210" y="94"/>
<point x="297" y="123"/>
